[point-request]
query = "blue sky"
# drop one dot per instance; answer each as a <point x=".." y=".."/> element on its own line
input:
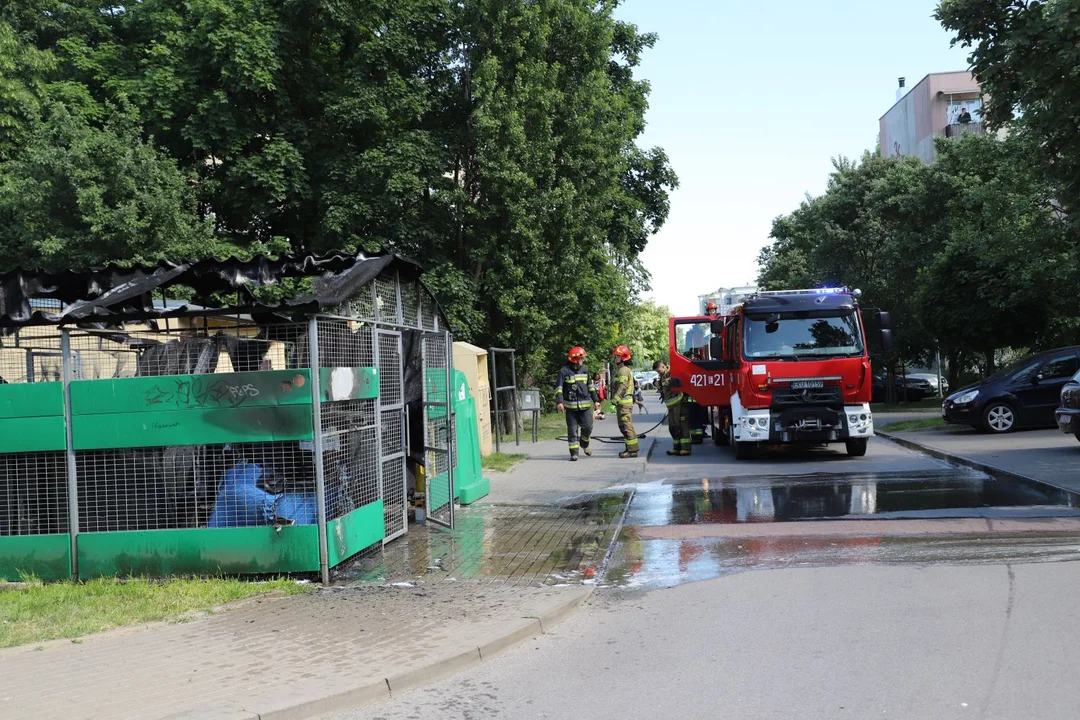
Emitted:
<point x="752" y="99"/>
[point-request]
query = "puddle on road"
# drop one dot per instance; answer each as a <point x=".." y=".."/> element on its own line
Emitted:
<point x="818" y="497"/>
<point x="694" y="530"/>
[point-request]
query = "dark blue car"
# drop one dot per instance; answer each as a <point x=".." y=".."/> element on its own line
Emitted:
<point x="1024" y="394"/>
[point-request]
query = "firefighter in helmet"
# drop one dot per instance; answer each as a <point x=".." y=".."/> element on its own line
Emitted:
<point x="622" y="394"/>
<point x="675" y="401"/>
<point x="711" y="309"/>
<point x="575" y="394"/>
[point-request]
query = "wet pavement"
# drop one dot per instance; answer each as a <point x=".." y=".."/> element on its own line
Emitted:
<point x="507" y="545"/>
<point x="685" y="530"/>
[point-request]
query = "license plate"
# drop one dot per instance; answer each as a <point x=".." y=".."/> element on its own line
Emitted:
<point x="807" y="384"/>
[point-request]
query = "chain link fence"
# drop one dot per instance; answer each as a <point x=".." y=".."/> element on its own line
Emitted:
<point x="294" y="439"/>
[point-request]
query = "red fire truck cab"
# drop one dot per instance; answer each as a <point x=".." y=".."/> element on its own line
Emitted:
<point x="774" y="367"/>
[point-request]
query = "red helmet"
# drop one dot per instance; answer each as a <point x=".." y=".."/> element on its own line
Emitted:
<point x="576" y="354"/>
<point x="710" y="308"/>
<point x="622" y="352"/>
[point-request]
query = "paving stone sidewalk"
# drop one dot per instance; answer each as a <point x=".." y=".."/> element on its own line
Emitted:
<point x="549" y="476"/>
<point x="428" y="605"/>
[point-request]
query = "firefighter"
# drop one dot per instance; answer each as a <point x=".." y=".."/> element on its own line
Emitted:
<point x="622" y="394"/>
<point x="575" y="394"/>
<point x="676" y="412"/>
<point x="697" y="417"/>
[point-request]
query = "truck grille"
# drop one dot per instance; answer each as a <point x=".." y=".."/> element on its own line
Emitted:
<point x="789" y="397"/>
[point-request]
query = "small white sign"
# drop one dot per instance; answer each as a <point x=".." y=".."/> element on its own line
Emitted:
<point x="759" y="370"/>
<point x="341" y="383"/>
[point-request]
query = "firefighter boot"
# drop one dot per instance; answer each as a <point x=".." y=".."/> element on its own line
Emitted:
<point x="628" y="454"/>
<point x="573" y="455"/>
<point x="684" y="452"/>
<point x="586" y="449"/>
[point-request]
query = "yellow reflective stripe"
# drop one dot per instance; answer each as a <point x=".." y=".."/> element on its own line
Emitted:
<point x="674" y="400"/>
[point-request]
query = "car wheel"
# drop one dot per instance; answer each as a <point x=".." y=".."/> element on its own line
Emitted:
<point x="999" y="417"/>
<point x="856" y="447"/>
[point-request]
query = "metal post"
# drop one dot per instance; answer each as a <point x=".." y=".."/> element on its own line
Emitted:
<point x="320" y="471"/>
<point x="517" y="401"/>
<point x="451" y="444"/>
<point x="940" y="387"/>
<point x="495" y="395"/>
<point x="72" y="469"/>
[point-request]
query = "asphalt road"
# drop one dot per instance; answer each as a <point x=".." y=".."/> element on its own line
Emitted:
<point x="814" y="609"/>
<point x="852" y="642"/>
<point x="1047" y="455"/>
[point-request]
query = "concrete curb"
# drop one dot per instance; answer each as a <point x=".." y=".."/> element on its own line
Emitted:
<point x="515" y="633"/>
<point x="439" y="669"/>
<point x="550" y="617"/>
<point x="973" y="464"/>
<point x="538" y="619"/>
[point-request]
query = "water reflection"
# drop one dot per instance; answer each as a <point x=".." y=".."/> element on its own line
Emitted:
<point x="677" y="555"/>
<point x="783" y="500"/>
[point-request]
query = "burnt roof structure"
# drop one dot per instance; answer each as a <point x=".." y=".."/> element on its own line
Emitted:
<point x="113" y="294"/>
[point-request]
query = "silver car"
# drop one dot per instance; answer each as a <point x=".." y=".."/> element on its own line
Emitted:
<point x="932" y="378"/>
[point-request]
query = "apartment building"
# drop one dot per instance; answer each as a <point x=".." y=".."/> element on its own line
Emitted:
<point x="934" y="107"/>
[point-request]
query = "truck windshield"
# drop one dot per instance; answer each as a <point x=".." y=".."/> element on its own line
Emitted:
<point x="795" y="338"/>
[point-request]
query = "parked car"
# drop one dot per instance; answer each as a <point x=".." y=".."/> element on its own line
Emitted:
<point x="910" y="389"/>
<point x="932" y="378"/>
<point x="1024" y="394"/>
<point x="1068" y="413"/>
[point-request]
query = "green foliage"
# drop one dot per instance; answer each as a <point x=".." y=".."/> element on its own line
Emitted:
<point x="34" y="612"/>
<point x="969" y="254"/>
<point x="492" y="140"/>
<point x="502" y="462"/>
<point x="645" y="332"/>
<point x="1026" y="56"/>
<point x="77" y="195"/>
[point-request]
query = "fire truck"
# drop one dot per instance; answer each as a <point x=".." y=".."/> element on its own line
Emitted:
<point x="788" y="366"/>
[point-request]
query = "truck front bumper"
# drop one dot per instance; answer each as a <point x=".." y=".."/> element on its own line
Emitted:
<point x="806" y="424"/>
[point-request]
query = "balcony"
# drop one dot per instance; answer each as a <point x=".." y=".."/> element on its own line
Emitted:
<point x="960" y="129"/>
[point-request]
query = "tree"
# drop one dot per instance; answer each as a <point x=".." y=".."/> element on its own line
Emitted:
<point x="645" y="332"/>
<point x="962" y="252"/>
<point x="78" y="196"/>
<point x="1005" y="270"/>
<point x="860" y="233"/>
<point x="494" y="141"/>
<point x="1025" y="54"/>
<point x="556" y="201"/>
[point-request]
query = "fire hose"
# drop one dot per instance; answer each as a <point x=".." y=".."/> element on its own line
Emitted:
<point x="619" y="438"/>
